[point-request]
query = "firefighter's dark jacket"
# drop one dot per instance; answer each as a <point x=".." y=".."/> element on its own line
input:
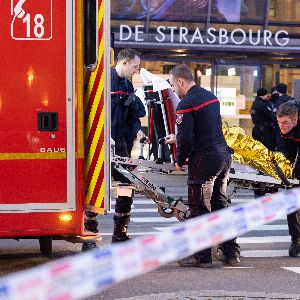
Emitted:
<point x="292" y="147"/>
<point x="124" y="114"/>
<point x="199" y="126"/>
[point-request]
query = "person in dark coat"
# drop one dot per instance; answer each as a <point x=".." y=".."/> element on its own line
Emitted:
<point x="125" y="114"/>
<point x="261" y="115"/>
<point x="281" y="89"/>
<point x="200" y="140"/>
<point x="125" y="123"/>
<point x="289" y="124"/>
<point x="274" y="94"/>
<point x="126" y="108"/>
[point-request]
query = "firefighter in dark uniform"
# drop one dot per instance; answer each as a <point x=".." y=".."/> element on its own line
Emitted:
<point x="262" y="118"/>
<point x="289" y="124"/>
<point x="201" y="141"/>
<point x="125" y="123"/>
<point x="125" y="114"/>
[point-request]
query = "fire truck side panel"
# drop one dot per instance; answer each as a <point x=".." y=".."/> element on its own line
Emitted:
<point x="28" y="181"/>
<point x="39" y="224"/>
<point x="41" y="151"/>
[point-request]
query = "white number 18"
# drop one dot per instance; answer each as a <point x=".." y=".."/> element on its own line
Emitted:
<point x="38" y="29"/>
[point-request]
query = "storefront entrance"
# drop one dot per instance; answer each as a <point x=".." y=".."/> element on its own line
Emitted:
<point x="233" y="78"/>
<point x="233" y="47"/>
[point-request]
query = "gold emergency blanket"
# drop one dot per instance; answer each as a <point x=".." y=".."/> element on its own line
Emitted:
<point x="253" y="153"/>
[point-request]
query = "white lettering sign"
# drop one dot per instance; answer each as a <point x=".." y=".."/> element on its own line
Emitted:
<point x="221" y="36"/>
<point x="127" y="30"/>
<point x="137" y="32"/>
<point x="284" y="40"/>
<point x="160" y="32"/>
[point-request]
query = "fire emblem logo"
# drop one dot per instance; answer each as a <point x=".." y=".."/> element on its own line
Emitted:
<point x="31" y="20"/>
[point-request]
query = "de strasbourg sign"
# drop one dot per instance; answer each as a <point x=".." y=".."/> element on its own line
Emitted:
<point x="213" y="36"/>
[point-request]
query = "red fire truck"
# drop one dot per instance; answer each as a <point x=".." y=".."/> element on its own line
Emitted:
<point x="52" y="116"/>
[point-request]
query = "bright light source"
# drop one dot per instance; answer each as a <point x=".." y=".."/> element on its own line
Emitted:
<point x="208" y="72"/>
<point x="231" y="72"/>
<point x="30" y="76"/>
<point x="65" y="217"/>
<point x="255" y="73"/>
<point x="199" y="73"/>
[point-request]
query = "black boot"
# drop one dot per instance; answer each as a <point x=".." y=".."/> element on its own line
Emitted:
<point x="229" y="253"/>
<point x="88" y="246"/>
<point x="90" y="221"/>
<point x="90" y="224"/>
<point x="192" y="261"/>
<point x="294" y="249"/>
<point x="120" y="229"/>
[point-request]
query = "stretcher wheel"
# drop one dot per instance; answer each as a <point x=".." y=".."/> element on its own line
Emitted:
<point x="165" y="212"/>
<point x="180" y="215"/>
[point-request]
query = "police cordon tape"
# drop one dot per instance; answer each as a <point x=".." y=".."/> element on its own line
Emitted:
<point x="82" y="275"/>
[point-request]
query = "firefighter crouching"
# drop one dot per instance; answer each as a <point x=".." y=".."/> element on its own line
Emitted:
<point x="289" y="124"/>
<point x="201" y="141"/>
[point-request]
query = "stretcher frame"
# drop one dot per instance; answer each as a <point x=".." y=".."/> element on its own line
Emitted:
<point x="136" y="171"/>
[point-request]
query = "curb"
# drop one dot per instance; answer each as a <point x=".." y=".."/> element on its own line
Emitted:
<point x="214" y="295"/>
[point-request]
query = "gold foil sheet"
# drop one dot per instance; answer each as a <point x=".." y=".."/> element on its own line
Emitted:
<point x="253" y="153"/>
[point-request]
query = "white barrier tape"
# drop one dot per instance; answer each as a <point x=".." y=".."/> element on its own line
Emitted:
<point x="85" y="274"/>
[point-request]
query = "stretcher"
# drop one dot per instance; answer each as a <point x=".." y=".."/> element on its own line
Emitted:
<point x="138" y="170"/>
<point x="161" y="158"/>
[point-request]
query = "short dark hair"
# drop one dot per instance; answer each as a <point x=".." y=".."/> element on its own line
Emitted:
<point x="128" y="54"/>
<point x="182" y="71"/>
<point x="287" y="109"/>
<point x="281" y="88"/>
<point x="261" y="92"/>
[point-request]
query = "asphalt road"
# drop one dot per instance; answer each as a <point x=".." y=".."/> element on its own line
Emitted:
<point x="265" y="268"/>
<point x="266" y="271"/>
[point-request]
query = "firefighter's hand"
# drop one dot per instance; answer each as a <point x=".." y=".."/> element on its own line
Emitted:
<point x="178" y="168"/>
<point x="170" y="139"/>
